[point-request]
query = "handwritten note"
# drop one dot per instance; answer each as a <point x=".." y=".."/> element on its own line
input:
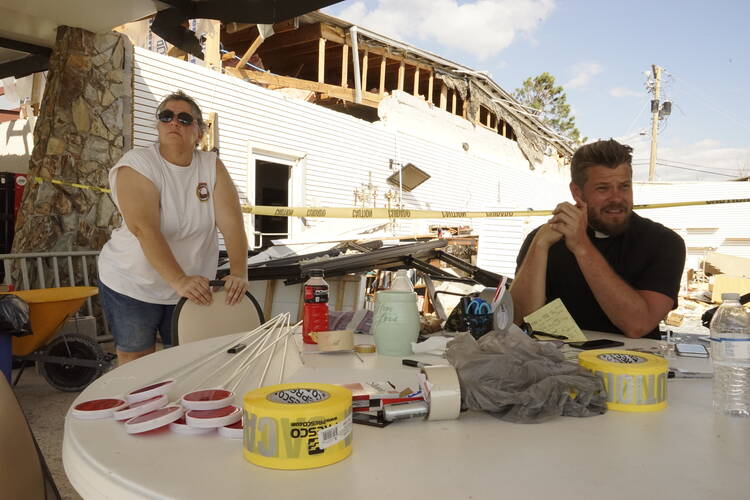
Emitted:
<point x="555" y="318"/>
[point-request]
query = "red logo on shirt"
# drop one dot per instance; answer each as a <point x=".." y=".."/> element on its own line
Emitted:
<point x="202" y="191"/>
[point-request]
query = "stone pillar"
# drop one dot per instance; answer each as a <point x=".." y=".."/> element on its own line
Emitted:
<point x="84" y="127"/>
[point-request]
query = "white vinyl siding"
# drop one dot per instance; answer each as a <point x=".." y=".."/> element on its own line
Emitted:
<point x="340" y="151"/>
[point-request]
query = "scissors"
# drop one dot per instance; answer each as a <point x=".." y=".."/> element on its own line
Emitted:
<point x="478" y="306"/>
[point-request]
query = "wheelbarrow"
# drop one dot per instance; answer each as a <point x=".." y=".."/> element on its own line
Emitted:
<point x="68" y="362"/>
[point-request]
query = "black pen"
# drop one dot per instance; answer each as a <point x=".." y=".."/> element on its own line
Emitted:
<point x="414" y="363"/>
<point x="551" y="335"/>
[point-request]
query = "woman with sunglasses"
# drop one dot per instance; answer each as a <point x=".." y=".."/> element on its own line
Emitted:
<point x="172" y="198"/>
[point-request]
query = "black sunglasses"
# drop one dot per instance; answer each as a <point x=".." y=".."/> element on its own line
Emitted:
<point x="183" y="118"/>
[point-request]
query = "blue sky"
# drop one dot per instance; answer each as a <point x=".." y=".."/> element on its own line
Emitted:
<point x="598" y="50"/>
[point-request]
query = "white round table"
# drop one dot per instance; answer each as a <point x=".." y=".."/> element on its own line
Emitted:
<point x="684" y="452"/>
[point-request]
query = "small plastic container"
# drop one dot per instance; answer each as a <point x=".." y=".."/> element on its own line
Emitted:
<point x="232" y="431"/>
<point x="141" y="407"/>
<point x="149" y="391"/>
<point x="153" y="419"/>
<point x="207" y="399"/>
<point x="97" y="408"/>
<point x="214" y="418"/>
<point x="315" y="313"/>
<point x="180" y="426"/>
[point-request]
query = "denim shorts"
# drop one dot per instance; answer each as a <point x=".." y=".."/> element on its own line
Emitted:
<point x="134" y="323"/>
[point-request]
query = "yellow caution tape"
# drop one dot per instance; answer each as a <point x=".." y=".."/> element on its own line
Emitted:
<point x="71" y="184"/>
<point x="403" y="213"/>
<point x="635" y="381"/>
<point x="382" y="213"/>
<point x="297" y="426"/>
<point x="396" y="213"/>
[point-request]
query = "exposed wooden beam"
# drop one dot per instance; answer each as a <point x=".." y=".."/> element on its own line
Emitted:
<point x="321" y="60"/>
<point x="345" y="66"/>
<point x="365" y="59"/>
<point x="401" y="72"/>
<point x="368" y="98"/>
<point x="416" y="80"/>
<point x="36" y="93"/>
<point x="235" y="27"/>
<point x="381" y="89"/>
<point x="250" y="51"/>
<point x="430" y="84"/>
<point x="211" y="53"/>
<point x="332" y="33"/>
<point x="268" y="301"/>
<point x="443" y="96"/>
<point x="305" y="34"/>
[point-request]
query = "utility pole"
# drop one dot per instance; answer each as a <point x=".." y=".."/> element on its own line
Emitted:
<point x="654" y="120"/>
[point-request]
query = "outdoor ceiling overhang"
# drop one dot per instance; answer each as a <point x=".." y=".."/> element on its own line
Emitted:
<point x="169" y="23"/>
<point x="28" y="28"/>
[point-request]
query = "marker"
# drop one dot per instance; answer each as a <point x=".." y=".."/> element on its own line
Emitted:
<point x="414" y="363"/>
<point x="677" y="373"/>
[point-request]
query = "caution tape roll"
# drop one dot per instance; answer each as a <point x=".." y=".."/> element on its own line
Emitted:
<point x="635" y="381"/>
<point x="297" y="426"/>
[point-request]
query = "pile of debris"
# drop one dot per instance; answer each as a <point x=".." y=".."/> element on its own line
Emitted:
<point x="719" y="273"/>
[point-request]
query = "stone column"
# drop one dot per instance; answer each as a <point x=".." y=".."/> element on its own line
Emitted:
<point x="84" y="127"/>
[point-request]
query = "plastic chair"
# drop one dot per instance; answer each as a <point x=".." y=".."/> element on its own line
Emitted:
<point x="23" y="471"/>
<point x="191" y="321"/>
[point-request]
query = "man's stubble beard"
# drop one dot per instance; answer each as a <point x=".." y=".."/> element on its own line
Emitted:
<point x="612" y="229"/>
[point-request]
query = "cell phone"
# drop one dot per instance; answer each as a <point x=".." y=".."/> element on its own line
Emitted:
<point x="596" y="344"/>
<point x="691" y="350"/>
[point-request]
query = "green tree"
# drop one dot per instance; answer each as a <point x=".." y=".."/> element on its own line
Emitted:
<point x="541" y="94"/>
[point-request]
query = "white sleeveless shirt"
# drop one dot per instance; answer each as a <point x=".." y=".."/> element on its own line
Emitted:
<point x="188" y="223"/>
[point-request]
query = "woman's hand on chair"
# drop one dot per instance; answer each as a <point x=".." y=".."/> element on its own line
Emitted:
<point x="236" y="287"/>
<point x="194" y="288"/>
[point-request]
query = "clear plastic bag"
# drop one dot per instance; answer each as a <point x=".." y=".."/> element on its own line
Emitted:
<point x="521" y="380"/>
<point x="14" y="316"/>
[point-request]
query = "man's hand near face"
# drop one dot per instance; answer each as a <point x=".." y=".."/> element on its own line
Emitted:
<point x="547" y="235"/>
<point x="571" y="221"/>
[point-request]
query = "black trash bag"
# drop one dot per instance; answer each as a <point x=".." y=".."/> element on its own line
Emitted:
<point x="521" y="380"/>
<point x="14" y="316"/>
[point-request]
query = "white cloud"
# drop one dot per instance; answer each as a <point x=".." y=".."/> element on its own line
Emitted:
<point x="620" y="92"/>
<point x="582" y="74"/>
<point x="704" y="160"/>
<point x="482" y="28"/>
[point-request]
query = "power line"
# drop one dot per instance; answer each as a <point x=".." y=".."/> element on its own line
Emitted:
<point x="696" y="170"/>
<point x="666" y="160"/>
<point x="696" y="92"/>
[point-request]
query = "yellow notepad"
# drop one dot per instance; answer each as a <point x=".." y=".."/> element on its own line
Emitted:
<point x="555" y="318"/>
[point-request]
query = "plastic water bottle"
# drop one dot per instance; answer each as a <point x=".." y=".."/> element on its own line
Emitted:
<point x="315" y="318"/>
<point x="730" y="350"/>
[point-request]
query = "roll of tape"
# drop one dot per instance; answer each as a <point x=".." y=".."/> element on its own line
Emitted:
<point x="297" y="426"/>
<point x="635" y="381"/>
<point x="442" y="392"/>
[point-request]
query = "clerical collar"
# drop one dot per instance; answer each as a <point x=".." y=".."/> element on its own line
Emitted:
<point x="600" y="235"/>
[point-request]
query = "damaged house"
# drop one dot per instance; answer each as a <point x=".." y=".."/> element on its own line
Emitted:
<point x="299" y="121"/>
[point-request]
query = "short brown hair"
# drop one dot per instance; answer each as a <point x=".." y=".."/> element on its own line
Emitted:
<point x="182" y="96"/>
<point x="609" y="153"/>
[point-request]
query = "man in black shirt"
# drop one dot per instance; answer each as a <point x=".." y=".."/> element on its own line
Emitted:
<point x="614" y="270"/>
